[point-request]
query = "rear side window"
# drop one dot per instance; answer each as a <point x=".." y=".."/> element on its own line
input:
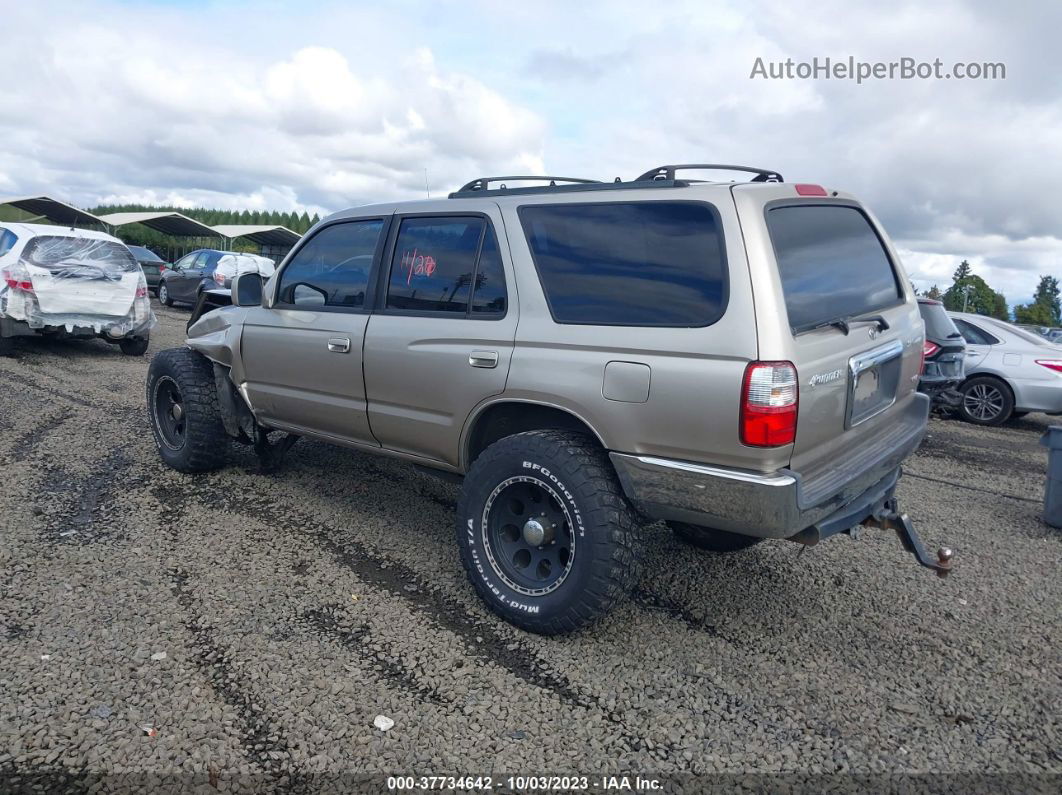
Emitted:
<point x="831" y="262"/>
<point x="332" y="268"/>
<point x="650" y="263"/>
<point x="7" y="241"/>
<point x="974" y="335"/>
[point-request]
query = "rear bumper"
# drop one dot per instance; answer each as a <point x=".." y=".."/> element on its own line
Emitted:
<point x="780" y="504"/>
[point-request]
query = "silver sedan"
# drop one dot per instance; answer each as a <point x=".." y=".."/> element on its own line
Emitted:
<point x="1009" y="371"/>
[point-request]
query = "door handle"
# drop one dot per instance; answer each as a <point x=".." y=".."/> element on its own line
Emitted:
<point x="339" y="344"/>
<point x="483" y="359"/>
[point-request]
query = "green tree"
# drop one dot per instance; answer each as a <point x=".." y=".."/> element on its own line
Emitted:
<point x="934" y="293"/>
<point x="970" y="293"/>
<point x="1034" y="314"/>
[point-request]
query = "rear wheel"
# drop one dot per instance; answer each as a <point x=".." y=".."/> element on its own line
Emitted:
<point x="712" y="540"/>
<point x="164" y="295"/>
<point x="986" y="401"/>
<point x="134" y="346"/>
<point x="183" y="411"/>
<point x="546" y="535"/>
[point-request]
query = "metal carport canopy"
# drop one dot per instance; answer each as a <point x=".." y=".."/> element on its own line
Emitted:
<point x="262" y="234"/>
<point x="169" y="223"/>
<point x="54" y="210"/>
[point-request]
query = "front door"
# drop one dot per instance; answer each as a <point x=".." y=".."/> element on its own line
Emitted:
<point x="442" y="339"/>
<point x="302" y="354"/>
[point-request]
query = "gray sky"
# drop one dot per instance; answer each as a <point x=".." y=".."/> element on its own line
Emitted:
<point x="321" y="106"/>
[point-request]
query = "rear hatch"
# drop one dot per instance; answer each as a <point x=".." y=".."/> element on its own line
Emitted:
<point x="832" y="298"/>
<point x="80" y="275"/>
<point x="945" y="347"/>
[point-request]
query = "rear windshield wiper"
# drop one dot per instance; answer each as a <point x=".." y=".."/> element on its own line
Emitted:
<point x="845" y="323"/>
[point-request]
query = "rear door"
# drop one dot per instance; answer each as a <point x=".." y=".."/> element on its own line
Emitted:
<point x="978" y="342"/>
<point x="823" y="267"/>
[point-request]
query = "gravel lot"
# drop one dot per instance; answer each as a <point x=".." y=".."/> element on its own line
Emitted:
<point x="260" y="622"/>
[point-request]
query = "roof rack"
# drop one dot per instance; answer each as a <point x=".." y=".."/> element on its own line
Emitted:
<point x="668" y="172"/>
<point x="483" y="183"/>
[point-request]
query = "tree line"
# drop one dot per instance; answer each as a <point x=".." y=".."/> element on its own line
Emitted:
<point x="968" y="292"/>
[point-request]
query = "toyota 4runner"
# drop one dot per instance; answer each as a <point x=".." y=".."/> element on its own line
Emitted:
<point x="740" y="361"/>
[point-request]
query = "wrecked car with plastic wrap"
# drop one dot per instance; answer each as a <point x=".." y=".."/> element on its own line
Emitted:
<point x="71" y="283"/>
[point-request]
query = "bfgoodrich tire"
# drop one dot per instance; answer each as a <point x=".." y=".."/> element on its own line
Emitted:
<point x="183" y="411"/>
<point x="712" y="540"/>
<point x="546" y="535"/>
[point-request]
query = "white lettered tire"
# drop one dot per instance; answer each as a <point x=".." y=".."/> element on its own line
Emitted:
<point x="546" y="536"/>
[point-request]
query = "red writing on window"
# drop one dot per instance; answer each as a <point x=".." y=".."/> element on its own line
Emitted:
<point x="416" y="264"/>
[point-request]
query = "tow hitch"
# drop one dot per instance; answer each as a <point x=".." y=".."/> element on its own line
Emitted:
<point x="888" y="517"/>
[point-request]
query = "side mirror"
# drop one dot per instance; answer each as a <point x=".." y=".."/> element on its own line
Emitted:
<point x="247" y="290"/>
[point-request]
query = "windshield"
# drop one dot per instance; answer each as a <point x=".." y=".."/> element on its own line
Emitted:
<point x="80" y="257"/>
<point x="832" y="264"/>
<point x="1021" y="333"/>
<point x="144" y="254"/>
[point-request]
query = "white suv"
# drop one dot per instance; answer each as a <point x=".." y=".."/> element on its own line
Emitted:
<point x="71" y="282"/>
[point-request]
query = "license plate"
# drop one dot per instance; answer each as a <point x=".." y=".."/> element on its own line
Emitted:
<point x="874" y="377"/>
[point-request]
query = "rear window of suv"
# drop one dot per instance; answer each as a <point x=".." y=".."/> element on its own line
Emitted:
<point x="652" y="263"/>
<point x="832" y="263"/>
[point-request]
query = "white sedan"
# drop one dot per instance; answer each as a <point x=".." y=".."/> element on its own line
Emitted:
<point x="1009" y="371"/>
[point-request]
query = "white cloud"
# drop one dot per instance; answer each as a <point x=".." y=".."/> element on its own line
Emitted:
<point x="334" y="104"/>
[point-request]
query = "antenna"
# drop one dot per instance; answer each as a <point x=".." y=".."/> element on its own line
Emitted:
<point x="426" y="191"/>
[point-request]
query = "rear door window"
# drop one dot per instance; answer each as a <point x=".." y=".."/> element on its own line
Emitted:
<point x="831" y="262"/>
<point x="652" y="263"/>
<point x="974" y="335"/>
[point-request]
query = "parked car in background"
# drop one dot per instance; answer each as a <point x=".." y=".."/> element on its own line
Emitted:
<point x="200" y="270"/>
<point x="71" y="283"/>
<point x="152" y="264"/>
<point x="1009" y="371"/>
<point x="943" y="355"/>
<point x="1054" y="335"/>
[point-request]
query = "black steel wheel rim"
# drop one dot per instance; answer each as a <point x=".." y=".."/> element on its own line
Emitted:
<point x="520" y="512"/>
<point x="169" y="413"/>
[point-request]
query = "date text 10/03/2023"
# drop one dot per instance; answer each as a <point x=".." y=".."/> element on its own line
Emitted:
<point x="523" y="783"/>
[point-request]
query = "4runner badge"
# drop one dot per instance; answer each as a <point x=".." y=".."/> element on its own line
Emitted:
<point x="825" y="378"/>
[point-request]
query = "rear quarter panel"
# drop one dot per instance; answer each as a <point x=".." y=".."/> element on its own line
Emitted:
<point x="695" y="374"/>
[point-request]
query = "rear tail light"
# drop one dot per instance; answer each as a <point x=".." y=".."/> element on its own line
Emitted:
<point x="17" y="278"/>
<point x="219" y="277"/>
<point x="804" y="189"/>
<point x="928" y="349"/>
<point x="1051" y="364"/>
<point x="769" y="394"/>
<point x="141" y="292"/>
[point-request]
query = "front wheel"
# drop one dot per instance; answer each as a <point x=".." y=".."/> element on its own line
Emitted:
<point x="986" y="401"/>
<point x="546" y="535"/>
<point x="183" y="411"/>
<point x="712" y="540"/>
<point x="164" y="295"/>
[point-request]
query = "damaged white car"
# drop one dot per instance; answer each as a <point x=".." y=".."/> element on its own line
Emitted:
<point x="71" y="283"/>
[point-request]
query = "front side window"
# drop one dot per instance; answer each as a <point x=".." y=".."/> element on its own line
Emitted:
<point x="435" y="266"/>
<point x="332" y="268"/>
<point x="652" y="263"/>
<point x="831" y="262"/>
